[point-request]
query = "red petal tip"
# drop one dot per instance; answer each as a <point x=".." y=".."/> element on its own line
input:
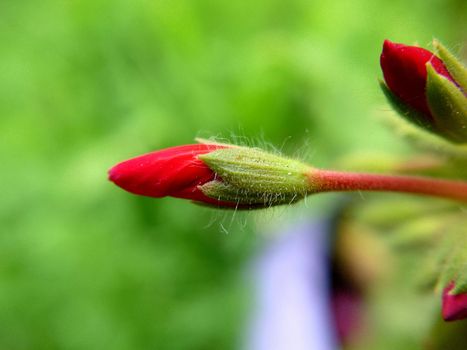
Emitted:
<point x="454" y="306"/>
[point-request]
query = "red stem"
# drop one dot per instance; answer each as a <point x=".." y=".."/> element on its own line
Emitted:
<point x="327" y="180"/>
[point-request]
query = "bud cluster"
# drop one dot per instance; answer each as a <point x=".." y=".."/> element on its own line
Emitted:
<point x="428" y="90"/>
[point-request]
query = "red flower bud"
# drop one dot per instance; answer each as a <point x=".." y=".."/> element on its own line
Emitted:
<point x="454" y="306"/>
<point x="215" y="174"/>
<point x="426" y="90"/>
<point x="405" y="73"/>
<point x="175" y="172"/>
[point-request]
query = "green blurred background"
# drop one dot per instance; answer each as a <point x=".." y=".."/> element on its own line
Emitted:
<point x="86" y="84"/>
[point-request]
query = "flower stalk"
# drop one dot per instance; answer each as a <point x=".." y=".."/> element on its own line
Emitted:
<point x="331" y="181"/>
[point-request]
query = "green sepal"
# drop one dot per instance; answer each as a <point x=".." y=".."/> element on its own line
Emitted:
<point x="448" y="105"/>
<point x="454" y="66"/>
<point x="408" y="113"/>
<point x="249" y="175"/>
<point x="244" y="198"/>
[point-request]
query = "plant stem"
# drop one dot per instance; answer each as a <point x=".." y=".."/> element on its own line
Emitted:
<point x="327" y="180"/>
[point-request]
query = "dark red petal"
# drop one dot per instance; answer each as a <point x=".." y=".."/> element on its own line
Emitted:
<point x="454" y="306"/>
<point x="162" y="173"/>
<point x="404" y="70"/>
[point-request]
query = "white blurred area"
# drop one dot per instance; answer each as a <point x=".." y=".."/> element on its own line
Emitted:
<point x="291" y="278"/>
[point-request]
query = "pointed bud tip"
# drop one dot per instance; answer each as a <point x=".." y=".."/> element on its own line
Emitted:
<point x="113" y="174"/>
<point x="121" y="176"/>
<point x="388" y="45"/>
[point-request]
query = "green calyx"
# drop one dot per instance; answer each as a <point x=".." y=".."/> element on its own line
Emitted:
<point x="448" y="105"/>
<point x="252" y="177"/>
<point x="454" y="66"/>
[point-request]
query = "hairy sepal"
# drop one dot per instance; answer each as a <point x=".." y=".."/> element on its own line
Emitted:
<point x="448" y="105"/>
<point x="454" y="66"/>
<point x="252" y="176"/>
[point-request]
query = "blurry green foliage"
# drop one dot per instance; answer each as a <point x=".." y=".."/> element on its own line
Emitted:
<point x="85" y="84"/>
